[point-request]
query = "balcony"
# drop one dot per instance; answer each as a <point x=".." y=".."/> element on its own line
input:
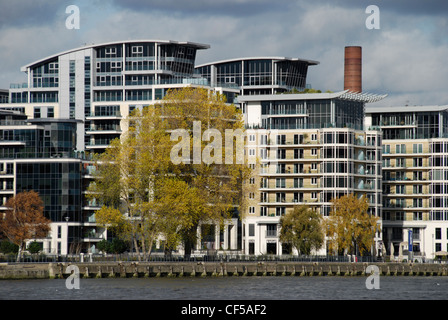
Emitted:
<point x="104" y="115"/>
<point x="92" y="236"/>
<point x="104" y="129"/>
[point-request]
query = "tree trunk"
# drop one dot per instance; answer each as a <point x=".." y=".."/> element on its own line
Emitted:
<point x="190" y="238"/>
<point x="19" y="253"/>
<point x="137" y="250"/>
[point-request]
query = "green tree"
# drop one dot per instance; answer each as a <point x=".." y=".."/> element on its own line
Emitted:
<point x="104" y="246"/>
<point x="7" y="246"/>
<point x="35" y="247"/>
<point x="116" y="246"/>
<point x="302" y="228"/>
<point x="350" y="227"/>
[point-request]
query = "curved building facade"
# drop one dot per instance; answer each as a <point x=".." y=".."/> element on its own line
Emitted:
<point x="100" y="84"/>
<point x="258" y="75"/>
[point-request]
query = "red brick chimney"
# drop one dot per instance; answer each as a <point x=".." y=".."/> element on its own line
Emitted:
<point x="353" y="69"/>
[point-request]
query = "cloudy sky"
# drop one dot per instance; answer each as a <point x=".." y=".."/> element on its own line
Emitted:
<point x="406" y="58"/>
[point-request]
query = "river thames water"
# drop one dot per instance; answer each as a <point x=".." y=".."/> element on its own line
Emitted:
<point x="229" y="288"/>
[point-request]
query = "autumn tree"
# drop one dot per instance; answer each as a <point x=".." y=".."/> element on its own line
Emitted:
<point x="125" y="176"/>
<point x="302" y="228"/>
<point x="24" y="219"/>
<point x="172" y="170"/>
<point x="350" y="227"/>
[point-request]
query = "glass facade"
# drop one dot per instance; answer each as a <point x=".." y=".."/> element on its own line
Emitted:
<point x="58" y="185"/>
<point x="412" y="125"/>
<point x="257" y="76"/>
<point x="312" y="114"/>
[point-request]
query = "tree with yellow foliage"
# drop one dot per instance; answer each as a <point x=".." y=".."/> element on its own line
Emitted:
<point x="147" y="193"/>
<point x="350" y="227"/>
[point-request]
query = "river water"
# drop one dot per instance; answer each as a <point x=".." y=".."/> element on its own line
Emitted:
<point x="229" y="288"/>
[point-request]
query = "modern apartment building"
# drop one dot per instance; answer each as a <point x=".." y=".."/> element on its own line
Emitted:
<point x="415" y="194"/>
<point x="92" y="89"/>
<point x="72" y="104"/>
<point x="306" y="150"/>
<point x="100" y="84"/>
<point x="38" y="154"/>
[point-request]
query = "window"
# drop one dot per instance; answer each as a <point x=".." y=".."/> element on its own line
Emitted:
<point x="298" y="197"/>
<point x="400" y="162"/>
<point x="251" y="195"/>
<point x="418" y="188"/>
<point x="280" y="197"/>
<point x="313" y="195"/>
<point x="251" y="152"/>
<point x="271" y="230"/>
<point x="251" y="137"/>
<point x="280" y="211"/>
<point x="137" y="49"/>
<point x="36" y="112"/>
<point x="263" y="197"/>
<point x="298" y="153"/>
<point x="399" y="216"/>
<point x="314" y="166"/>
<point x="314" y="152"/>
<point x="417" y="216"/>
<point x="313" y="180"/>
<point x="281" y="168"/>
<point x="280" y="183"/>
<point x="418" y="203"/>
<point x="438" y="233"/>
<point x="298" y="182"/>
<point x="417" y="175"/>
<point x="111" y="51"/>
<point x="417" y="162"/>
<point x="313" y="136"/>
<point x="251" y="230"/>
<point x="281" y="139"/>
<point x="298" y="139"/>
<point x="251" y="209"/>
<point x="417" y="148"/>
<point x="400" y="148"/>
<point x="281" y="154"/>
<point x="386" y="148"/>
<point x="400" y="189"/>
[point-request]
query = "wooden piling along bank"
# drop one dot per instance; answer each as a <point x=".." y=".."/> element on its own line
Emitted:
<point x="212" y="269"/>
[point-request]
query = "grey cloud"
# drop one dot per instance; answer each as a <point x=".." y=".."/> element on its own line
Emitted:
<point x="28" y="12"/>
<point x="253" y="7"/>
<point x="215" y="7"/>
<point x="398" y="7"/>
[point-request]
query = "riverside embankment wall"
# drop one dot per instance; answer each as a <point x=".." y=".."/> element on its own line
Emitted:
<point x="213" y="269"/>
